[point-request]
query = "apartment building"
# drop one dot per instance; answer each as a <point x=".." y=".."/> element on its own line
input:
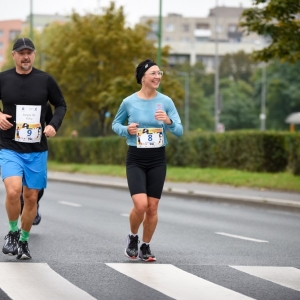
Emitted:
<point x="10" y="29"/>
<point x="194" y="39"/>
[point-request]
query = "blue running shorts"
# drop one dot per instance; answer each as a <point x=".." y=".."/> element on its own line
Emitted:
<point x="32" y="167"/>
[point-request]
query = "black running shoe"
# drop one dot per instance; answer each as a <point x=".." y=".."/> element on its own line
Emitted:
<point x="145" y="253"/>
<point x="23" y="251"/>
<point x="11" y="243"/>
<point x="131" y="249"/>
<point x="38" y="217"/>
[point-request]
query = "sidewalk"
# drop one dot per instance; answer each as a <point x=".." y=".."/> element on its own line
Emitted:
<point x="196" y="190"/>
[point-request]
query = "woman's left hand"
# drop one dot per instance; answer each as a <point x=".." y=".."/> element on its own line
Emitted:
<point x="161" y="115"/>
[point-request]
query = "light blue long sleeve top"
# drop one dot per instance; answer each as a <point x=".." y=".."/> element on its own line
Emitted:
<point x="140" y="111"/>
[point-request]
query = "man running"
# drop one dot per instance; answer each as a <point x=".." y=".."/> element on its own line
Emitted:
<point x="25" y="92"/>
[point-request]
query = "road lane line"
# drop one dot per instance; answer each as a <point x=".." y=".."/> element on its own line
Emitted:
<point x="241" y="237"/>
<point x="37" y="281"/>
<point x="175" y="282"/>
<point x="125" y="215"/>
<point x="285" y="276"/>
<point x="69" y="203"/>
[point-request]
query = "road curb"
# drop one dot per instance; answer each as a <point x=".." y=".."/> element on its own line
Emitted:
<point x="224" y="197"/>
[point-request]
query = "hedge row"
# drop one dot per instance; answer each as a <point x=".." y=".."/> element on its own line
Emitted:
<point x="243" y="150"/>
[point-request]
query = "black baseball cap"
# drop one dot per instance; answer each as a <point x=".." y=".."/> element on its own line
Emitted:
<point x="23" y="43"/>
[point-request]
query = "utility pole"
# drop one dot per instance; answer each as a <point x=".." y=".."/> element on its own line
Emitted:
<point x="159" y="39"/>
<point x="31" y="20"/>
<point x="159" y="34"/>
<point x="216" y="68"/>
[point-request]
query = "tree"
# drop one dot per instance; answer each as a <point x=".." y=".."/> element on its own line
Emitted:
<point x="200" y="106"/>
<point x="279" y="21"/>
<point x="93" y="58"/>
<point x="237" y="66"/>
<point x="238" y="108"/>
<point x="282" y="92"/>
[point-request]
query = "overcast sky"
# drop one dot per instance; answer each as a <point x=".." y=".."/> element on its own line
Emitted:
<point x="134" y="9"/>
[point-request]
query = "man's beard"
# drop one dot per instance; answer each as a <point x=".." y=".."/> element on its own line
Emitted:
<point x="28" y="67"/>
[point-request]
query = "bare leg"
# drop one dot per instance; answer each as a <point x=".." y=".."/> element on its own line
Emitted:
<point x="13" y="187"/>
<point x="136" y="217"/>
<point x="151" y="219"/>
<point x="144" y="210"/>
<point x="30" y="197"/>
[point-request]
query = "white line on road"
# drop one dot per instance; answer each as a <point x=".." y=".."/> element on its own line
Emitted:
<point x="242" y="237"/>
<point x="175" y="282"/>
<point x="37" y="281"/>
<point x="125" y="215"/>
<point x="69" y="203"/>
<point x="286" y="276"/>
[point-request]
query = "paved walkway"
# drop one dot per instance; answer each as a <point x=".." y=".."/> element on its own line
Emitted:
<point x="195" y="190"/>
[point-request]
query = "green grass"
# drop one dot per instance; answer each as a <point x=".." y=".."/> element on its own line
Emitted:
<point x="277" y="181"/>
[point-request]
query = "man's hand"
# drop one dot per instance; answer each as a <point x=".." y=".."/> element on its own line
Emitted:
<point x="49" y="131"/>
<point x="4" y="123"/>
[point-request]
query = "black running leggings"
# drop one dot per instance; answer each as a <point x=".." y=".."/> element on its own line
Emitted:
<point x="146" y="171"/>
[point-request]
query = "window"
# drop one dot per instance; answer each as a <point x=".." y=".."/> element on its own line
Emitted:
<point x="1" y="58"/>
<point x="169" y="27"/>
<point x="185" y="39"/>
<point x="219" y="28"/>
<point x="202" y="38"/>
<point x="232" y="28"/>
<point x="202" y="26"/>
<point x="1" y="33"/>
<point x="154" y="27"/>
<point x="13" y="34"/>
<point x="185" y="27"/>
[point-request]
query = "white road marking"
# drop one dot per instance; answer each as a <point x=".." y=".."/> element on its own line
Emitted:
<point x="286" y="276"/>
<point x="37" y="281"/>
<point x="125" y="215"/>
<point x="242" y="237"/>
<point x="175" y="282"/>
<point x="69" y="203"/>
<point x="284" y="213"/>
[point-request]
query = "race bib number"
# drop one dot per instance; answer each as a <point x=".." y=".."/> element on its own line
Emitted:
<point x="149" y="137"/>
<point x="28" y="126"/>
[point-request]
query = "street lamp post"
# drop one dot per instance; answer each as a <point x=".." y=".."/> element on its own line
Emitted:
<point x="263" y="99"/>
<point x="187" y="100"/>
<point x="216" y="68"/>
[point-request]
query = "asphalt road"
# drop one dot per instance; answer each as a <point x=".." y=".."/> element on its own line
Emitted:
<point x="82" y="238"/>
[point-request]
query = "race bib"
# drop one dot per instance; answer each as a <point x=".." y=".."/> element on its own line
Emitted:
<point x="149" y="137"/>
<point x="28" y="126"/>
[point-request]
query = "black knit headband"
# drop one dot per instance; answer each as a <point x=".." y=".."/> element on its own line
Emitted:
<point x="142" y="70"/>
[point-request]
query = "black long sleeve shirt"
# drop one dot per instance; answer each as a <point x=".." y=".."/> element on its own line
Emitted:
<point x="35" y="88"/>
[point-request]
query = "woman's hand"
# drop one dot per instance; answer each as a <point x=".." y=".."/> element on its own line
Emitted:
<point x="161" y="115"/>
<point x="132" y="128"/>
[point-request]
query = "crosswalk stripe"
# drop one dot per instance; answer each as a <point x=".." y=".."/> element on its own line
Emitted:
<point x="286" y="276"/>
<point x="37" y="281"/>
<point x="175" y="282"/>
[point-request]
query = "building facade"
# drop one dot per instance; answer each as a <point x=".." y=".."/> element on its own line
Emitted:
<point x="196" y="39"/>
<point x="11" y="29"/>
